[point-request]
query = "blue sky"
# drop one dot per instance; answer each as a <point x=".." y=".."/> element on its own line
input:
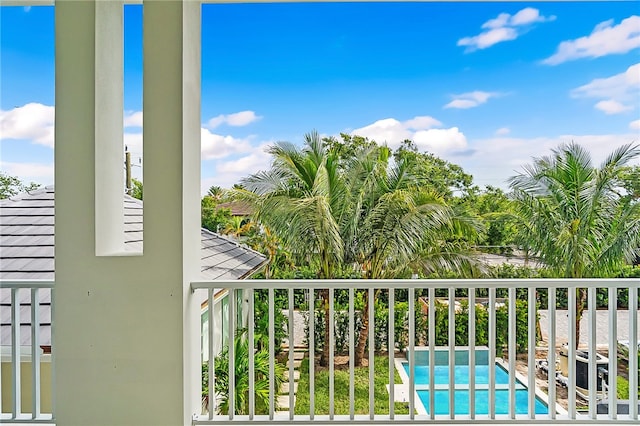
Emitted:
<point x="484" y="85"/>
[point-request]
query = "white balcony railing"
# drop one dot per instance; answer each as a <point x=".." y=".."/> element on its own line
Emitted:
<point x="428" y="399"/>
<point x="25" y="373"/>
<point x="25" y="390"/>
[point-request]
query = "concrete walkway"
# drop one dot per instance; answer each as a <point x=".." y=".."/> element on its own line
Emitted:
<point x="602" y="326"/>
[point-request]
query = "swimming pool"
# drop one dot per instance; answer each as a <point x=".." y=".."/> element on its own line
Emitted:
<point x="461" y="377"/>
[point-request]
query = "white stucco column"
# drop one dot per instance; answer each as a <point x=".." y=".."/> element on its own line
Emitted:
<point x="126" y="329"/>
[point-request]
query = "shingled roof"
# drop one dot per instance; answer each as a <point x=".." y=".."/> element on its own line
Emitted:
<point x="27" y="253"/>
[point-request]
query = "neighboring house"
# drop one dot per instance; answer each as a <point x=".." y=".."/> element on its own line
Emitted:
<point x="27" y="253"/>
<point x="237" y="208"/>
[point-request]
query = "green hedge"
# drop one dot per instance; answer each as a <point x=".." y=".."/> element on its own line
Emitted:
<point x="401" y="326"/>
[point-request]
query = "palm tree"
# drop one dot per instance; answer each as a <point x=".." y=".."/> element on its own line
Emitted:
<point x="237" y="226"/>
<point x="297" y="199"/>
<point x="241" y="364"/>
<point x="574" y="217"/>
<point x="395" y="222"/>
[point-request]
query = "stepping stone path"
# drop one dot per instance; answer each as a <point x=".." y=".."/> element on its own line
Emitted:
<point x="283" y="398"/>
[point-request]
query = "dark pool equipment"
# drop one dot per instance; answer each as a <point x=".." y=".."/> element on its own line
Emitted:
<point x="582" y="369"/>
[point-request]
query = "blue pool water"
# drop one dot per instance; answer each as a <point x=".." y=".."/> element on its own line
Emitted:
<point x="482" y="401"/>
<point x="461" y="374"/>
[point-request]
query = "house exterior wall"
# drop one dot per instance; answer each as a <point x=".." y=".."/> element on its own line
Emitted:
<point x="126" y="342"/>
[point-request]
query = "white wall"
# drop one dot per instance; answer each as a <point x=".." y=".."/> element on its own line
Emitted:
<point x="126" y="339"/>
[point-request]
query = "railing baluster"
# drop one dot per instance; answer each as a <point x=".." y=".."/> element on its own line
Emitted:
<point x="232" y="353"/>
<point x="633" y="352"/>
<point x="252" y="369"/>
<point x="472" y="353"/>
<point x="531" y="320"/>
<point x="15" y="353"/>
<point x="492" y="353"/>
<point x="271" y="354"/>
<point x="512" y="351"/>
<point x="212" y="372"/>
<point x="571" y="371"/>
<point x="331" y="354"/>
<point x="613" y="349"/>
<point x="432" y="353"/>
<point x="312" y="352"/>
<point x="35" y="353"/>
<point x="551" y="353"/>
<point x="371" y="355"/>
<point x="412" y="353"/>
<point x="593" y="372"/>
<point x="351" y="356"/>
<point x="391" y="352"/>
<point x="452" y="352"/>
<point x="291" y="357"/>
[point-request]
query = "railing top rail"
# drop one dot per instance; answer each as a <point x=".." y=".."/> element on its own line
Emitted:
<point x="422" y="283"/>
<point x="26" y="283"/>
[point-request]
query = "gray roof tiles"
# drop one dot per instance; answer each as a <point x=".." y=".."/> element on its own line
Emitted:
<point x="27" y="253"/>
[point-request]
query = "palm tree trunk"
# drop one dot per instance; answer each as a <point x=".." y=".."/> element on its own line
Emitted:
<point x="364" y="331"/>
<point x="581" y="302"/>
<point x="324" y="358"/>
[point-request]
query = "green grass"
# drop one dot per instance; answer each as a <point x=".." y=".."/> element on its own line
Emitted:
<point x="622" y="387"/>
<point x="341" y="394"/>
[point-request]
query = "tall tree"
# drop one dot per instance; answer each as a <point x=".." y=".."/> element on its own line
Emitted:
<point x="574" y="216"/>
<point x="298" y="199"/>
<point x="396" y="222"/>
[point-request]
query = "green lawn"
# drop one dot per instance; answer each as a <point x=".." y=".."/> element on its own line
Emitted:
<point x="341" y="396"/>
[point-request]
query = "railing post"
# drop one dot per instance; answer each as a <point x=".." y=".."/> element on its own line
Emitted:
<point x="312" y="352"/>
<point x="35" y="353"/>
<point x="412" y="353"/>
<point x="351" y="356"/>
<point x="531" y="384"/>
<point x="252" y="369"/>
<point x="613" y="353"/>
<point x="512" y="351"/>
<point x="391" y="352"/>
<point x="551" y="353"/>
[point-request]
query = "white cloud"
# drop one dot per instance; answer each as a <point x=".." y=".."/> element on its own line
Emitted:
<point x="470" y="99"/>
<point x="605" y="39"/>
<point x="610" y="107"/>
<point x="231" y="171"/>
<point x="237" y="119"/>
<point x="133" y="119"/>
<point x="218" y="146"/>
<point x="213" y="146"/>
<point x="393" y="132"/>
<point x="488" y="38"/>
<point x="617" y="94"/>
<point x="422" y="123"/>
<point x="496" y="159"/>
<point x="32" y="122"/>
<point x="502" y="131"/>
<point x="634" y="125"/>
<point x="504" y="27"/>
<point x="440" y="141"/>
<point x="41" y="173"/>
<point x="133" y="142"/>
<point x="528" y="16"/>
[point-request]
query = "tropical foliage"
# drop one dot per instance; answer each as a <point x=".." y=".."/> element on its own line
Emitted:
<point x="345" y="206"/>
<point x="574" y="215"/>
<point x="241" y="377"/>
